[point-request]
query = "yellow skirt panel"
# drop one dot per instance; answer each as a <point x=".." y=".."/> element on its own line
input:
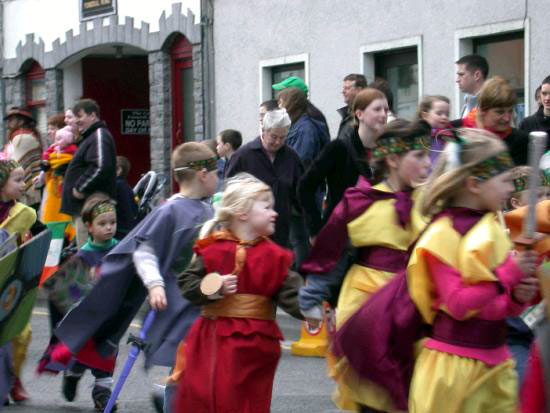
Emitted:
<point x="359" y="284"/>
<point x="448" y="383"/>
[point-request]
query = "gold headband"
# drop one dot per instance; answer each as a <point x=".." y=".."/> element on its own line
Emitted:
<point x="210" y="164"/>
<point x="102" y="208"/>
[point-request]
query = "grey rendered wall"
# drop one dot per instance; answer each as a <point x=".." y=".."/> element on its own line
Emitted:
<point x="332" y="32"/>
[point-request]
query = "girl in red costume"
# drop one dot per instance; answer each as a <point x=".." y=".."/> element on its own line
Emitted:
<point x="232" y="350"/>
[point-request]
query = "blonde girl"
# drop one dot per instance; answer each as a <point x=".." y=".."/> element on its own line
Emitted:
<point x="465" y="281"/>
<point x="232" y="350"/>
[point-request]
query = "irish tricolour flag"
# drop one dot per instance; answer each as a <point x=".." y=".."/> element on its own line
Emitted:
<point x="54" y="253"/>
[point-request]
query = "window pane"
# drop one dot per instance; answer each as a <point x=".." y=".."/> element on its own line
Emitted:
<point x="403" y="82"/>
<point x="506" y="59"/>
<point x="38" y="89"/>
<point x="400" y="69"/>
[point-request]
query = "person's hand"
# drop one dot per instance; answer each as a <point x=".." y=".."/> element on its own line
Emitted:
<point x="527" y="261"/>
<point x="526" y="290"/>
<point x="229" y="284"/>
<point x="313" y="322"/>
<point x="157" y="298"/>
<point x="78" y="195"/>
<point x="312" y="240"/>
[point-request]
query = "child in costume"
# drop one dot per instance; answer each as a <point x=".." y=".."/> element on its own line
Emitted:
<point x="16" y="218"/>
<point x="75" y="279"/>
<point x="145" y="263"/>
<point x="465" y="281"/>
<point x="521" y="328"/>
<point x="233" y="349"/>
<point x="55" y="161"/>
<point x="381" y="222"/>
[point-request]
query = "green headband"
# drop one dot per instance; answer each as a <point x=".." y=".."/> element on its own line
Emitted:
<point x="521" y="183"/>
<point x="102" y="208"/>
<point x="6" y="167"/>
<point x="210" y="164"/>
<point x="391" y="144"/>
<point x="493" y="166"/>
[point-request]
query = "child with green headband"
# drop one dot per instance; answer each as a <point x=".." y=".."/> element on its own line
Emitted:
<point x="521" y="185"/>
<point x="381" y="220"/>
<point x="144" y="265"/>
<point x="75" y="279"/>
<point x="16" y="218"/>
<point x="521" y="329"/>
<point x="465" y="279"/>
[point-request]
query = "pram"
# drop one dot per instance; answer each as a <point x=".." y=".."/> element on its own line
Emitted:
<point x="147" y="191"/>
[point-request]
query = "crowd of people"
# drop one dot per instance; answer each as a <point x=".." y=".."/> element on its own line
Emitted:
<point x="411" y="228"/>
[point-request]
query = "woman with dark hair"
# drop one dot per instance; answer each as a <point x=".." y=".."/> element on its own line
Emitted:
<point x="25" y="147"/>
<point x="307" y="136"/>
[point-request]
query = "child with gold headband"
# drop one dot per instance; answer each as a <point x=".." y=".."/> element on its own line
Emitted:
<point x="75" y="279"/>
<point x="381" y="221"/>
<point x="465" y="281"/>
<point x="233" y="349"/>
<point x="145" y="263"/>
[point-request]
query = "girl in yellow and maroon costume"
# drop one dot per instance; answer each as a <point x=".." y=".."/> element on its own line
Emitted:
<point x="16" y="218"/>
<point x="381" y="222"/>
<point x="465" y="282"/>
<point x="233" y="349"/>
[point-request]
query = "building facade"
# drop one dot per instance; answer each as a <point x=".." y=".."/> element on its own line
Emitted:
<point x="413" y="44"/>
<point x="142" y="61"/>
<point x="170" y="71"/>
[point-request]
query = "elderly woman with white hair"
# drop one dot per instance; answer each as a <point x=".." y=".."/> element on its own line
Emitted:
<point x="270" y="160"/>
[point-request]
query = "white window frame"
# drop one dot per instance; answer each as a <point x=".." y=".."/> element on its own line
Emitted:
<point x="368" y="51"/>
<point x="464" y="45"/>
<point x="265" y="67"/>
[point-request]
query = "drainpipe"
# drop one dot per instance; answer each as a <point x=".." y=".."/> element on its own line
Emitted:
<point x="207" y="41"/>
<point x="2" y="81"/>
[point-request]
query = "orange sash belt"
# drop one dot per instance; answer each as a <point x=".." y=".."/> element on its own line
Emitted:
<point x="256" y="306"/>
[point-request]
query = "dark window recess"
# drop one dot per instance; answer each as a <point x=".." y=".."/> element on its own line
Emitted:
<point x="400" y="69"/>
<point x="505" y="54"/>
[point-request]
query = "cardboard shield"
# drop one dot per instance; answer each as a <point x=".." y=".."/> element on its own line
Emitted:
<point x="20" y="272"/>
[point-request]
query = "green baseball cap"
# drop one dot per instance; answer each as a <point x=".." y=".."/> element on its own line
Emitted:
<point x="289" y="82"/>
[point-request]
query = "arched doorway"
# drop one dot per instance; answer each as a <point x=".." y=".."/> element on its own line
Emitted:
<point x="120" y="84"/>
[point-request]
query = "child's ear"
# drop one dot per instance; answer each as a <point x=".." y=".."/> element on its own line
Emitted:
<point x="473" y="185"/>
<point x="242" y="217"/>
<point x="515" y="203"/>
<point x="392" y="160"/>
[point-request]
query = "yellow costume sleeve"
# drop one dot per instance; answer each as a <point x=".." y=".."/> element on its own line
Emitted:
<point x="474" y="255"/>
<point x="20" y="219"/>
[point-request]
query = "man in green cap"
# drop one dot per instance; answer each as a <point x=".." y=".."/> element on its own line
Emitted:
<point x="297" y="82"/>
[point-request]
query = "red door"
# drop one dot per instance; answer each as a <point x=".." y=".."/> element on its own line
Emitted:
<point x="117" y="84"/>
<point x="183" y="106"/>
